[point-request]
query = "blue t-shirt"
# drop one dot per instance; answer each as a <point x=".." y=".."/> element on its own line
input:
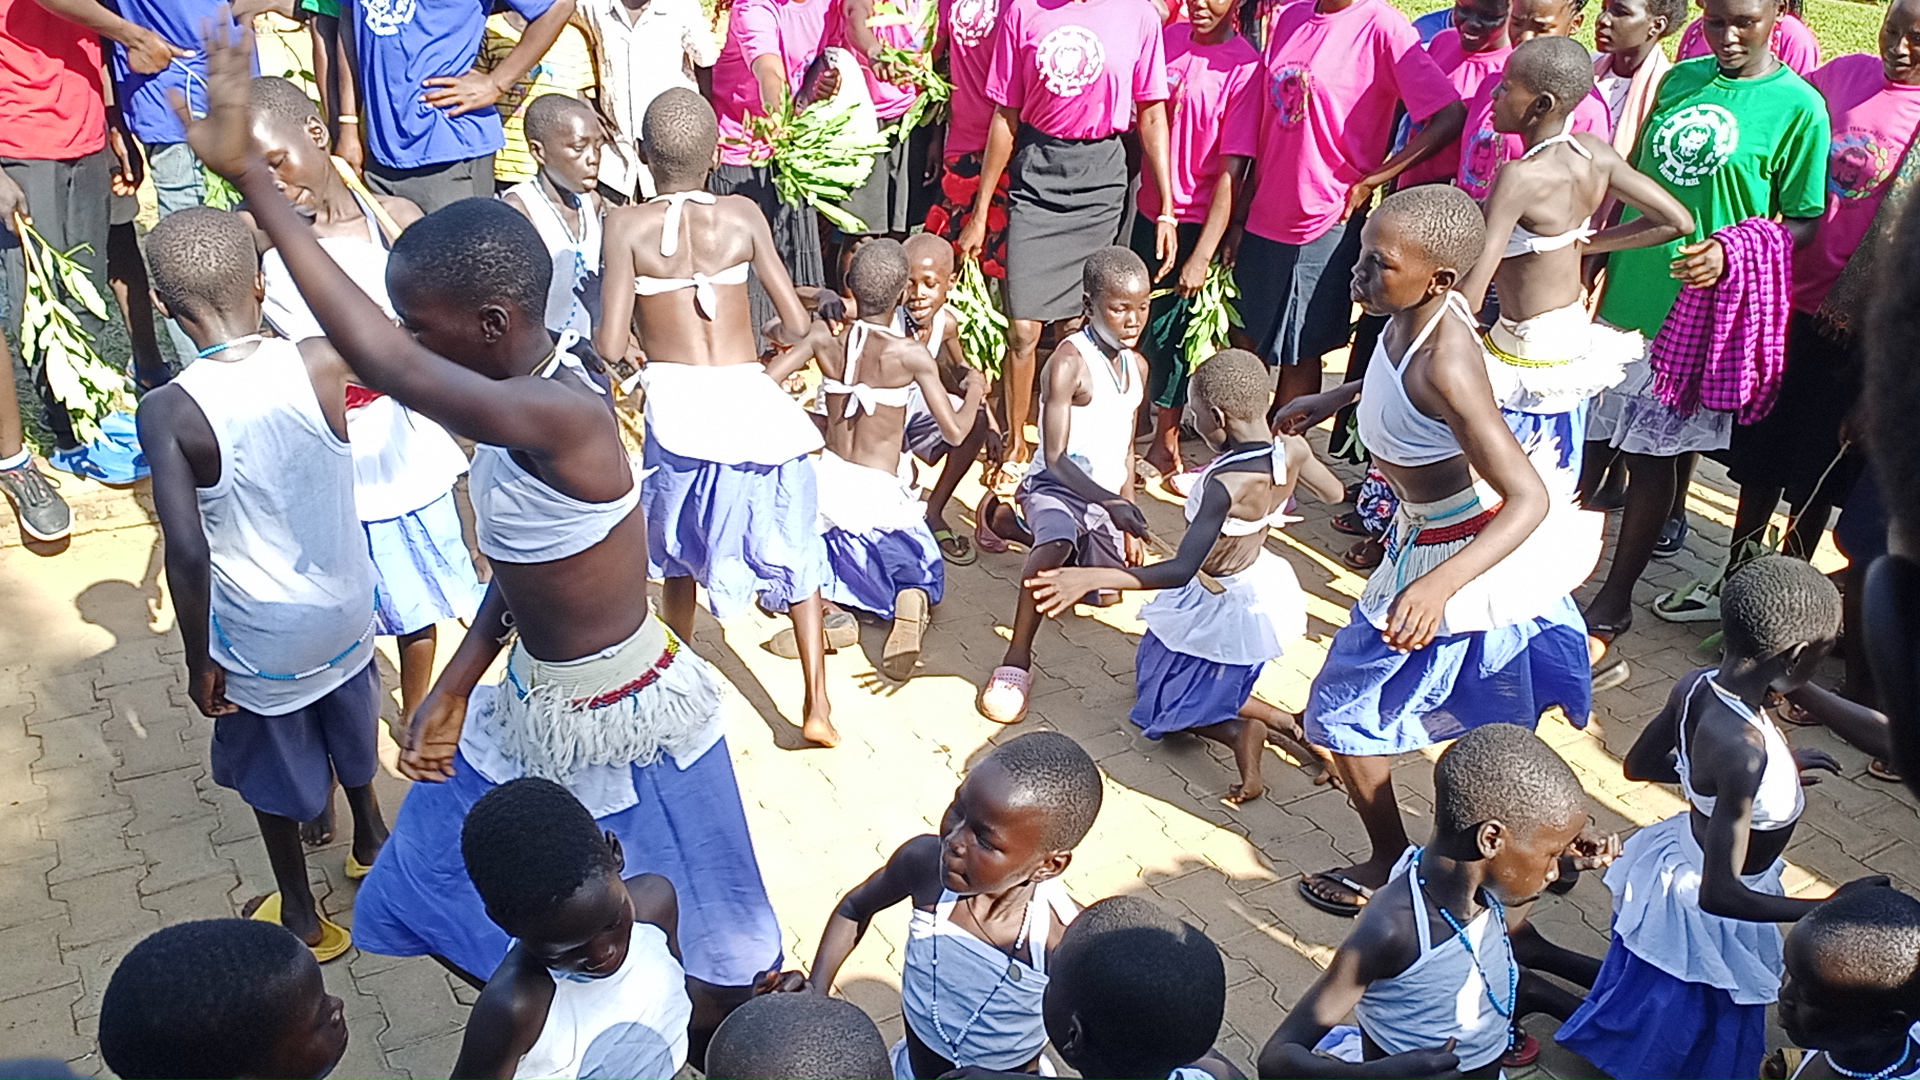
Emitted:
<point x="144" y="99"/>
<point x="1430" y="24"/>
<point x="403" y="43"/>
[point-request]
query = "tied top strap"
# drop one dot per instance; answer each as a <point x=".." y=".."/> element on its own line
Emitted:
<point x="859" y="394"/>
<point x="1527" y="242"/>
<point x="676" y="207"/>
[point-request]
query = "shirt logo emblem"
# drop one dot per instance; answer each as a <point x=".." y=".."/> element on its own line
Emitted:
<point x="1857" y="164"/>
<point x="1690" y="145"/>
<point x="1290" y="87"/>
<point x="972" y="20"/>
<point x="1071" y="59"/>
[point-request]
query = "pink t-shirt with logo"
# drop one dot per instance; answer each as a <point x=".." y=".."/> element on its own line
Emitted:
<point x="1213" y="89"/>
<point x="1483" y="150"/>
<point x="970" y="28"/>
<point x="890" y="102"/>
<point x="1332" y="82"/>
<point x="789" y="29"/>
<point x="1873" y="121"/>
<point x="1075" y="68"/>
<point x="1792" y="42"/>
<point x="1467" y="72"/>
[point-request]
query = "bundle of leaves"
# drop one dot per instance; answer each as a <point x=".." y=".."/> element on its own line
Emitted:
<point x="819" y="156"/>
<point x="904" y="66"/>
<point x="1210" y="314"/>
<point x="87" y="386"/>
<point x="982" y="325"/>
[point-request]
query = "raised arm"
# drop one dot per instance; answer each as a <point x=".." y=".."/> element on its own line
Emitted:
<point x="536" y="415"/>
<point x="917" y="860"/>
<point x="1662" y="217"/>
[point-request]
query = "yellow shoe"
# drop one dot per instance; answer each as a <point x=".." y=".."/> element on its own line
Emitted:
<point x="357" y="869"/>
<point x="334" y="938"/>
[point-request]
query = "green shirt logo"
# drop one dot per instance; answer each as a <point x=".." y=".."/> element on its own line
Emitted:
<point x="1691" y="144"/>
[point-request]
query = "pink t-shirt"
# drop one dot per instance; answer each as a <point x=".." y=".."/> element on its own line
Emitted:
<point x="889" y="101"/>
<point x="1326" y="111"/>
<point x="1466" y="71"/>
<point x="970" y="28"/>
<point x="1873" y="121"/>
<point x="1214" y="88"/>
<point x="1792" y="42"/>
<point x="1483" y="150"/>
<point x="789" y="29"/>
<point x="1075" y="68"/>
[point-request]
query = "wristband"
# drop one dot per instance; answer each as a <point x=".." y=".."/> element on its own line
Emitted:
<point x="345" y="120"/>
<point x="1168" y="219"/>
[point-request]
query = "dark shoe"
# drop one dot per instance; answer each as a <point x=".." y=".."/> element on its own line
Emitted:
<point x="1673" y="537"/>
<point x="44" y="515"/>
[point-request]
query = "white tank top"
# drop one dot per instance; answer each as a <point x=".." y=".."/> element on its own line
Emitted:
<point x="1101" y="432"/>
<point x="1391" y="428"/>
<point x="576" y="257"/>
<point x="632" y="1023"/>
<point x="1780" y="799"/>
<point x="292" y="592"/>
<point x="1276" y="456"/>
<point x="518" y="518"/>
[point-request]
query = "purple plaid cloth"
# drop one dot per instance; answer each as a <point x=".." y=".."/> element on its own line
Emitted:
<point x="1725" y="348"/>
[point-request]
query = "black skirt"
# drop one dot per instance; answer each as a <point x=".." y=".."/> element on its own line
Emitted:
<point x="1065" y="202"/>
<point x="1796" y="443"/>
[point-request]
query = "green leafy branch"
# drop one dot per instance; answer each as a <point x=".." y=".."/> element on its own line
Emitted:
<point x="818" y="157"/>
<point x="982" y="325"/>
<point x="914" y="64"/>
<point x="87" y="386"/>
<point x="219" y="193"/>
<point x="1210" y="315"/>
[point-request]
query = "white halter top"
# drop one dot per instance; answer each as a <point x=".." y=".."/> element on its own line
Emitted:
<point x="1234" y="526"/>
<point x="859" y="395"/>
<point x="1525" y="241"/>
<point x="1780" y="799"/>
<point x="969" y="1001"/>
<point x="1391" y="428"/>
<point x="704" y="297"/>
<point x="518" y="517"/>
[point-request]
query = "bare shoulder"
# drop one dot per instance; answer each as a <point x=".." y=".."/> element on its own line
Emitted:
<point x="512" y="198"/>
<point x="1384" y="935"/>
<point x="1599" y="148"/>
<point x="404" y="212"/>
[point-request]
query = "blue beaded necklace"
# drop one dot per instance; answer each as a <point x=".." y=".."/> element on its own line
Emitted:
<point x="1896" y="1069"/>
<point x="1460" y="933"/>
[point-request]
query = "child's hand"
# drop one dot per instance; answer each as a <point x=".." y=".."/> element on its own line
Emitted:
<point x="207" y="686"/>
<point x="1440" y="1061"/>
<point x="433" y="737"/>
<point x="1135" y="549"/>
<point x="775" y="981"/>
<point x="1701" y="264"/>
<point x="1416" y="615"/>
<point x="1809" y="759"/>
<point x="1591" y="850"/>
<point x="223" y="139"/>
<point x="1056" y="591"/>
<point x="1305" y="412"/>
<point x="1126" y="516"/>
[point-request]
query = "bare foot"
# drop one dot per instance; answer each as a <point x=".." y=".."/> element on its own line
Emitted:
<point x="1166" y="463"/>
<point x="817" y="728"/>
<point x="1240" y="794"/>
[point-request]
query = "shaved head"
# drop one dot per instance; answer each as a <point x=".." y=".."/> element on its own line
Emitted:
<point x="927" y="246"/>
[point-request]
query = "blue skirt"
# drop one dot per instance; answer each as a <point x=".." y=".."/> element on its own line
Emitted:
<point x="1177" y="692"/>
<point x="426" y="572"/>
<point x="1640" y="1022"/>
<point x="866" y="570"/>
<point x="688" y="827"/>
<point x="1368" y="699"/>
<point x="739" y="530"/>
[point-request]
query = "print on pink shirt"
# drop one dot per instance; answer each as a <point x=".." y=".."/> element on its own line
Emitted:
<point x="1291" y="87"/>
<point x="1070" y="59"/>
<point x="1480" y="160"/>
<point x="1859" y="164"/>
<point x="972" y="20"/>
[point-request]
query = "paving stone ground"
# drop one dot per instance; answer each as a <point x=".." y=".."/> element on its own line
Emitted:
<point x="111" y="826"/>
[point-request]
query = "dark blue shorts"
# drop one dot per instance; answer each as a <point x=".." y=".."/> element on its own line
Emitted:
<point x="285" y="765"/>
<point x="1296" y="300"/>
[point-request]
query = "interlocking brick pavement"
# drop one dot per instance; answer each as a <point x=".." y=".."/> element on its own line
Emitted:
<point x="110" y="825"/>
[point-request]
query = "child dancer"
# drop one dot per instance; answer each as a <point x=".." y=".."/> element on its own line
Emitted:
<point x="253" y="481"/>
<point x="729" y="493"/>
<point x="1467" y="621"/>
<point x="592" y="985"/>
<point x="799" y="1037"/>
<point x="930" y="276"/>
<point x="220" y="998"/>
<point x="1429" y="971"/>
<point x="989" y="888"/>
<point x="1078" y="506"/>
<point x="597" y="694"/>
<point x="1231" y="605"/>
<point x="1695" y="957"/>
<point x="404" y="465"/>
<point x="1852" y="966"/>
<point x="1213" y="79"/>
<point x="882" y="558"/>
<point x="562" y="201"/>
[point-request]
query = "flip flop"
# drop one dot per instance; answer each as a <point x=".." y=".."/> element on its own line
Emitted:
<point x="954" y="548"/>
<point x="1880" y="770"/>
<point x="1524" y="1053"/>
<point x="357" y="870"/>
<point x="1181" y="483"/>
<point x="1697" y="602"/>
<point x="842" y="633"/>
<point x="1335" y="907"/>
<point x="1612" y="670"/>
<point x="1609" y="631"/>
<point x="902" y="650"/>
<point x="1350" y="524"/>
<point x="1363" y="555"/>
<point x="1789" y="713"/>
<point x="334" y="938"/>
<point x="1004" y="699"/>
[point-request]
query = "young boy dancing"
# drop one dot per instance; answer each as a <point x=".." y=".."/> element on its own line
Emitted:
<point x="563" y="202"/>
<point x="986" y="893"/>
<point x="1467" y="621"/>
<point x="1429" y="971"/>
<point x="882" y="558"/>
<point x="1695" y="957"/>
<point x="729" y="491"/>
<point x="1078" y="506"/>
<point x="268" y="567"/>
<point x="930" y="277"/>
<point x="219" y="998"/>
<point x="598" y="694"/>
<point x="1852" y="967"/>
<point x="1230" y="605"/>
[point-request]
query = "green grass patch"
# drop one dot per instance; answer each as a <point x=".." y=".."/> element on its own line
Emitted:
<point x="1842" y="26"/>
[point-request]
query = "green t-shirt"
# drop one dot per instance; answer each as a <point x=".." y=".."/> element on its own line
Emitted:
<point x="322" y="7"/>
<point x="1729" y="149"/>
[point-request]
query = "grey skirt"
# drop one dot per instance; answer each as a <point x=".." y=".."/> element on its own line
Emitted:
<point x="796" y="235"/>
<point x="1065" y="202"/>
